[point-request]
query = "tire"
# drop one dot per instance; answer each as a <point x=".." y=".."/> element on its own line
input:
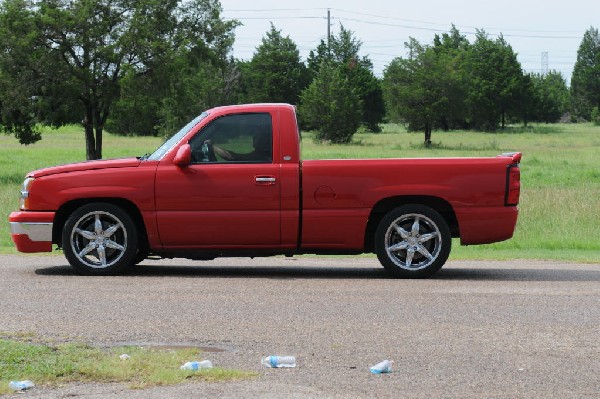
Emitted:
<point x="412" y="241"/>
<point x="100" y="239"/>
<point x="140" y="256"/>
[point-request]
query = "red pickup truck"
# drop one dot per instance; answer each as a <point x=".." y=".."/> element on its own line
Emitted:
<point x="231" y="183"/>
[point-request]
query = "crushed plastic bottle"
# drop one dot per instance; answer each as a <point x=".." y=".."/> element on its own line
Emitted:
<point x="195" y="366"/>
<point x="279" y="361"/>
<point x="21" y="385"/>
<point x="124" y="356"/>
<point x="382" y="367"/>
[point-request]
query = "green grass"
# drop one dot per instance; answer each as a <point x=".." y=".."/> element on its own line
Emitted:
<point x="53" y="365"/>
<point x="560" y="171"/>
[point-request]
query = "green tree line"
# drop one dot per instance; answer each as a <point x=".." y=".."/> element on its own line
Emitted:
<point x="145" y="67"/>
<point x="455" y="84"/>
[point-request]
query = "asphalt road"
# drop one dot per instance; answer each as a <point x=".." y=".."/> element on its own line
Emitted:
<point x="522" y="329"/>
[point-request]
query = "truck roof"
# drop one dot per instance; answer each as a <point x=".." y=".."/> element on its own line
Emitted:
<point x="227" y="108"/>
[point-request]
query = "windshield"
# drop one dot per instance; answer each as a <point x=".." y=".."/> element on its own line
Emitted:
<point x="174" y="139"/>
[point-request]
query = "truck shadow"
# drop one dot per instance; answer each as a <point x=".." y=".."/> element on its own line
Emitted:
<point x="327" y="272"/>
<point x="520" y="274"/>
<point x="278" y="272"/>
<point x="274" y="272"/>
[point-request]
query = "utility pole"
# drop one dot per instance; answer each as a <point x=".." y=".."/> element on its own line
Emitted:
<point x="329" y="31"/>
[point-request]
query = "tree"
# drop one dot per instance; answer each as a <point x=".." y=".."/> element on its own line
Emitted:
<point x="550" y="97"/>
<point x="316" y="57"/>
<point x="275" y="73"/>
<point x="344" y="54"/>
<point x="451" y="42"/>
<point x="420" y="90"/>
<point x="89" y="46"/>
<point x="331" y="105"/>
<point x="496" y="82"/>
<point x="585" y="82"/>
<point x="22" y="71"/>
<point x="526" y="101"/>
<point x="411" y="97"/>
<point x="169" y="94"/>
<point x="451" y="50"/>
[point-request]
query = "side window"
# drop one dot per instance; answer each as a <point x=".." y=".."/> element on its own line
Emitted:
<point x="242" y="138"/>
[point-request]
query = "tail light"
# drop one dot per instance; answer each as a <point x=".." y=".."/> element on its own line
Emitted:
<point x="513" y="185"/>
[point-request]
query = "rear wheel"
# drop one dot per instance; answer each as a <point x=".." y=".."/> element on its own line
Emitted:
<point x="100" y="239"/>
<point x="413" y="241"/>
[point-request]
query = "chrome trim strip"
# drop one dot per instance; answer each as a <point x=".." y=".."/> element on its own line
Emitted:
<point x="35" y="231"/>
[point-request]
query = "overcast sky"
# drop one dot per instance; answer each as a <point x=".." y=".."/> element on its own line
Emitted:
<point x="532" y="27"/>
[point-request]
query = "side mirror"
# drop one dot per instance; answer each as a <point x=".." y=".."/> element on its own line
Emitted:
<point x="183" y="156"/>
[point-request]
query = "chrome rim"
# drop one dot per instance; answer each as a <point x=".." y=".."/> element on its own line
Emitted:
<point x="413" y="241"/>
<point x="99" y="240"/>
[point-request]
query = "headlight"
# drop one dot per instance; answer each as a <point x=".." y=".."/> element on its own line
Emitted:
<point x="24" y="201"/>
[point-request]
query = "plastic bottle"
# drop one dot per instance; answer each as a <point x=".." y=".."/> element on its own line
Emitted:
<point x="279" y="361"/>
<point x="382" y="367"/>
<point x="21" y="385"/>
<point x="205" y="364"/>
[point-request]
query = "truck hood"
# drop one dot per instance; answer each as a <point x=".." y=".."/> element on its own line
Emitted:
<point x="89" y="165"/>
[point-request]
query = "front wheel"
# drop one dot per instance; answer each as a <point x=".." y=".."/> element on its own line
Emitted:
<point x="100" y="239"/>
<point x="413" y="241"/>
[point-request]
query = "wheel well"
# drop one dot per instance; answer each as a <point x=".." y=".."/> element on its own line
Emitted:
<point x="380" y="209"/>
<point x="67" y="209"/>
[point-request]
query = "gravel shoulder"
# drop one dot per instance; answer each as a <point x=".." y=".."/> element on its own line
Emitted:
<point x="521" y="329"/>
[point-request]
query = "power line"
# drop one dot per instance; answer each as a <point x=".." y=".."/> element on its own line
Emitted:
<point x="462" y="26"/>
<point x="270" y="18"/>
<point x="445" y="30"/>
<point x="276" y="9"/>
<point x="540" y="34"/>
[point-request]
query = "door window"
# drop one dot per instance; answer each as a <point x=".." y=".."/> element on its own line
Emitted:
<point x="241" y="138"/>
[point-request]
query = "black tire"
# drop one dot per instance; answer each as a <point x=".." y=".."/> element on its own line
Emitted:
<point x="100" y="239"/>
<point x="140" y="257"/>
<point x="412" y="241"/>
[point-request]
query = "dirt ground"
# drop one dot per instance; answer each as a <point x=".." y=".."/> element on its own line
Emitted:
<point x="521" y="329"/>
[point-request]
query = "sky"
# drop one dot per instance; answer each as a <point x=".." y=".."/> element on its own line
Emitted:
<point x="531" y="27"/>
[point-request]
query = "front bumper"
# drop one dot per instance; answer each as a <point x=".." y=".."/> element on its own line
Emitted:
<point x="32" y="231"/>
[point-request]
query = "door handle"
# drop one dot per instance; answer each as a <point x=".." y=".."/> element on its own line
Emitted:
<point x="265" y="180"/>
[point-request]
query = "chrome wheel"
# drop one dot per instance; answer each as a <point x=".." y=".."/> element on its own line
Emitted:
<point x="100" y="238"/>
<point x="412" y="241"/>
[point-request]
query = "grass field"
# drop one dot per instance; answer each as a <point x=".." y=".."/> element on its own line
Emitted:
<point x="560" y="199"/>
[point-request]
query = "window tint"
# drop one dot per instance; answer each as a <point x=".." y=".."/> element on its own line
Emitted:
<point x="242" y="138"/>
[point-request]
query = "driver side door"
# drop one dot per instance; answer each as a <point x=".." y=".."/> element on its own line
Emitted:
<point x="214" y="203"/>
